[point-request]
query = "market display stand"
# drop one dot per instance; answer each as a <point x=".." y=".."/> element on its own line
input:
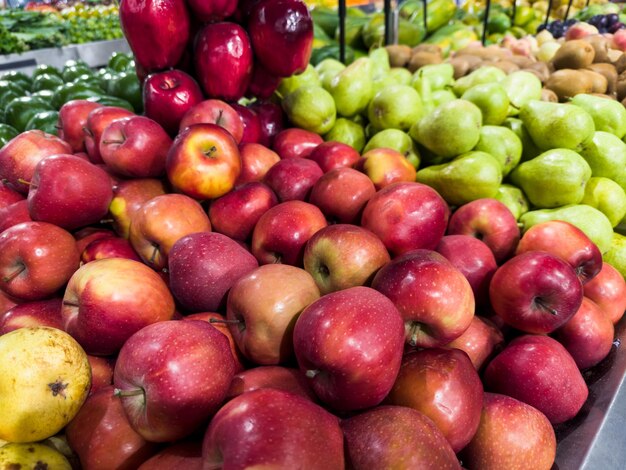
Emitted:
<point x="95" y="54"/>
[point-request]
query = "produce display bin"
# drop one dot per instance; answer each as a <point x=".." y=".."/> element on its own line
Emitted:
<point x="95" y="54"/>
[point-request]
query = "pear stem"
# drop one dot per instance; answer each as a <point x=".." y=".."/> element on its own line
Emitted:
<point x="14" y="274"/>
<point x="128" y="393"/>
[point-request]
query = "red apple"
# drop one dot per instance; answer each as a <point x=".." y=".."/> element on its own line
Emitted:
<point x="343" y="256"/>
<point x="87" y="235"/>
<point x="223" y="60"/>
<point x="128" y="197"/>
<point x="168" y="95"/>
<point x="203" y="162"/>
<point x="102" y="437"/>
<point x="480" y="341"/>
<point x="588" y="335"/>
<point x="6" y="303"/>
<point x="157" y="31"/>
<point x="385" y="166"/>
<point x="109" y="247"/>
<point x="341" y="194"/>
<point x="282" y="232"/>
<point x="442" y="384"/>
<point x="302" y="434"/>
<point x="215" y="112"/>
<point x="251" y="124"/>
<point x="236" y="213"/>
<point x="271" y="117"/>
<point x="8" y="195"/>
<point x="349" y="344"/>
<point x="36" y="260"/>
<point x="608" y="290"/>
<point x="282" y="35"/>
<point x="135" y="147"/>
<point x="539" y="371"/>
<point x="20" y="156"/>
<point x="396" y="437"/>
<point x="511" y="434"/>
<point x="181" y="455"/>
<point x="490" y="221"/>
<point x="474" y="259"/>
<point x="101" y="372"/>
<point x="28" y="314"/>
<point x="212" y="10"/>
<point x="161" y="222"/>
<point x="331" y="155"/>
<point x="263" y="83"/>
<point x="293" y="179"/>
<point x="407" y="216"/>
<point x="72" y="119"/>
<point x="256" y="160"/>
<point x="295" y="143"/>
<point x="276" y="377"/>
<point x="14" y="214"/>
<point x="69" y="192"/>
<point x="566" y="241"/>
<point x="262" y="309"/>
<point x="433" y="297"/>
<point x="97" y="121"/>
<point x="222" y="327"/>
<point x="172" y="376"/>
<point x="203" y="267"/>
<point x="535" y="292"/>
<point x="108" y="300"/>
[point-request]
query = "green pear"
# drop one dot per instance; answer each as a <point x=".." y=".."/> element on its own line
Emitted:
<point x="513" y="198"/>
<point x="327" y="69"/>
<point x="395" y="107"/>
<point x="422" y="86"/>
<point x="352" y="88"/>
<point x="347" y="132"/>
<point x="608" y="115"/>
<point x="492" y="101"/>
<point x="616" y="254"/>
<point x="383" y="82"/>
<point x="529" y="149"/>
<point x="311" y="108"/>
<point x="484" y="74"/>
<point x="521" y="88"/>
<point x="400" y="75"/>
<point x="590" y="220"/>
<point x="309" y="77"/>
<point x="557" y="125"/>
<point x="438" y="75"/>
<point x="470" y="176"/>
<point x="607" y="196"/>
<point x="380" y="63"/>
<point x="606" y="154"/>
<point x="397" y="140"/>
<point x="439" y="97"/>
<point x="502" y="144"/>
<point x="450" y="130"/>
<point x="553" y="179"/>
<point x="621" y="179"/>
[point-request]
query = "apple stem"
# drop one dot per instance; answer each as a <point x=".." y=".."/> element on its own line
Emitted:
<point x="70" y="304"/>
<point x="218" y="121"/>
<point x="311" y="373"/>
<point x="155" y="252"/>
<point x="87" y="132"/>
<point x="228" y="322"/>
<point x="209" y="153"/>
<point x="128" y="393"/>
<point x="520" y="225"/>
<point x="27" y="183"/>
<point x="14" y="274"/>
<point x="548" y="309"/>
<point x="107" y="221"/>
<point x="414" y="329"/>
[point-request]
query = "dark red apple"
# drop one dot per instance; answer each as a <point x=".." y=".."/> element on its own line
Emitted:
<point x="181" y="455"/>
<point x="251" y="124"/>
<point x="276" y="377"/>
<point x="295" y="143"/>
<point x="28" y="314"/>
<point x="6" y="303"/>
<point x="608" y="290"/>
<point x="89" y="234"/>
<point x="349" y="345"/>
<point x="14" y="214"/>
<point x="8" y="195"/>
<point x="215" y="112"/>
<point x="101" y="372"/>
<point x="385" y="166"/>
<point x="331" y="155"/>
<point x="256" y="160"/>
<point x="271" y="117"/>
<point x="128" y="197"/>
<point x="263" y="83"/>
<point x="97" y="121"/>
<point x="72" y="119"/>
<point x="212" y="10"/>
<point x="109" y="247"/>
<point x="293" y="179"/>
<point x="480" y="341"/>
<point x="539" y="371"/>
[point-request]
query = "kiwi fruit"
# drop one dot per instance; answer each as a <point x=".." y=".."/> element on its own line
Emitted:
<point x="506" y="65"/>
<point x="540" y="69"/>
<point x="549" y="95"/>
<point x="575" y="54"/>
<point x="609" y="72"/>
<point x="399" y="54"/>
<point x="620" y="89"/>
<point x="433" y="48"/>
<point x="463" y="64"/>
<point x="419" y="59"/>
<point x="567" y="83"/>
<point x="620" y="64"/>
<point x="600" y="83"/>
<point x="522" y="61"/>
<point x="600" y="47"/>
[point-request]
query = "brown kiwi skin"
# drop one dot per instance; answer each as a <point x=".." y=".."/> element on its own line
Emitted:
<point x="399" y="55"/>
<point x="522" y="62"/>
<point x="601" y="48"/>
<point x="505" y="65"/>
<point x="419" y="59"/>
<point x="600" y="83"/>
<point x="433" y="48"/>
<point x="575" y="54"/>
<point x="464" y="64"/>
<point x="609" y="72"/>
<point x="540" y="69"/>
<point x="621" y="89"/>
<point x="549" y="95"/>
<point x="620" y="64"/>
<point x="567" y="83"/>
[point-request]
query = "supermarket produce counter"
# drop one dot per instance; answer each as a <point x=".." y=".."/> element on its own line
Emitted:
<point x="95" y="54"/>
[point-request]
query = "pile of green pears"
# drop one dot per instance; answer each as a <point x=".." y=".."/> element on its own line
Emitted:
<point x="484" y="135"/>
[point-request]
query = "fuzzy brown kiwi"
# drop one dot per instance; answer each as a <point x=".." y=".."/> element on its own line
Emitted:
<point x="575" y="54"/>
<point x="600" y="83"/>
<point x="600" y="46"/>
<point x="399" y="54"/>
<point x="549" y="95"/>
<point x="567" y="83"/>
<point x="609" y="72"/>
<point x="419" y="59"/>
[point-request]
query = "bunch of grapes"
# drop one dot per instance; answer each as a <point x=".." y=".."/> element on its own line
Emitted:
<point x="557" y="28"/>
<point x="606" y="23"/>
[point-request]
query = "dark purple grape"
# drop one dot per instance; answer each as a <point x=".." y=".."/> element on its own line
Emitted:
<point x="596" y="20"/>
<point x="541" y="27"/>
<point x="611" y="19"/>
<point x="616" y="27"/>
<point x="571" y="22"/>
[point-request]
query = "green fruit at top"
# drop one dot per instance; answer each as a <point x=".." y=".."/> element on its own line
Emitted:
<point x="438" y="75"/>
<point x="347" y="132"/>
<point x="521" y="88"/>
<point x="44" y="121"/>
<point x="105" y="100"/>
<point x="127" y="87"/>
<point x="13" y="88"/>
<point x="72" y="72"/>
<point x="44" y="69"/>
<point x="557" y="125"/>
<point x="380" y="62"/>
<point x="46" y="82"/>
<point x="19" y="111"/>
<point x="400" y="75"/>
<point x="616" y="254"/>
<point x="119" y="61"/>
<point x="306" y="78"/>
<point x="397" y="140"/>
<point x="327" y="69"/>
<point x="19" y="78"/>
<point x="607" y="196"/>
<point x="513" y="198"/>
<point x="492" y="100"/>
<point x="439" y="97"/>
<point x="607" y="115"/>
<point x="485" y="74"/>
<point x="590" y="220"/>
<point x="529" y="149"/>
<point x="7" y="133"/>
<point x="395" y="107"/>
<point x="553" y="179"/>
<point x="502" y="144"/>
<point x="450" y="130"/>
<point x="606" y="154"/>
<point x="471" y="176"/>
<point x="73" y="91"/>
<point x="352" y="88"/>
<point x="311" y="108"/>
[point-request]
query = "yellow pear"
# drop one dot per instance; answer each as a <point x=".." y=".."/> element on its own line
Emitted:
<point x="32" y="456"/>
<point x="44" y="379"/>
